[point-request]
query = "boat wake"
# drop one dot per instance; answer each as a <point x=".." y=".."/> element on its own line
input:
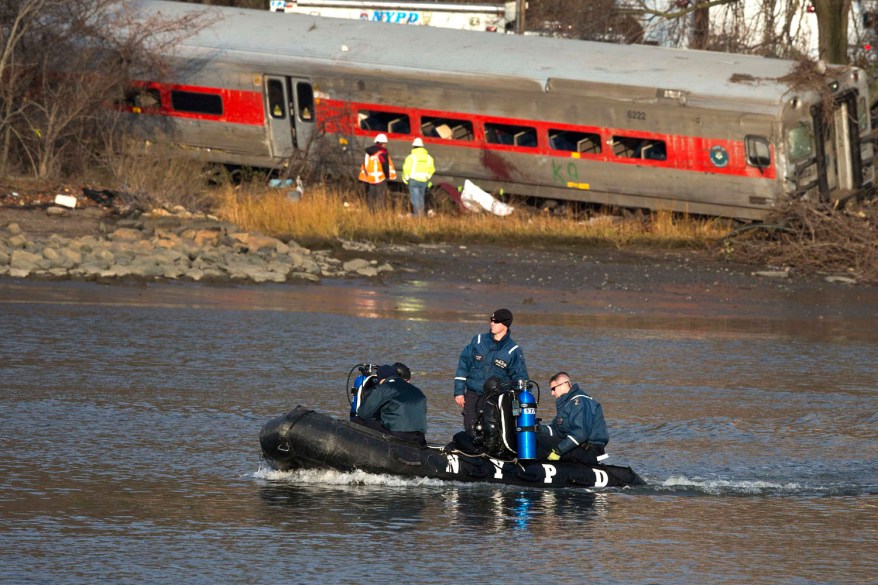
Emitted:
<point x="750" y="487"/>
<point x="333" y="477"/>
<point x="727" y="487"/>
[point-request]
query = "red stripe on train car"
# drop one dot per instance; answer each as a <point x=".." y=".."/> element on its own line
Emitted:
<point x="688" y="153"/>
<point x="239" y="107"/>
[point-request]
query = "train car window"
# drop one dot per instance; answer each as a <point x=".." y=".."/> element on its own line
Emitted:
<point x="447" y="128"/>
<point x="799" y="140"/>
<point x="143" y="99"/>
<point x="277" y="106"/>
<point x="511" y="135"/>
<point x="642" y="148"/>
<point x="198" y="103"/>
<point x="758" y="151"/>
<point x="862" y="114"/>
<point x="392" y="122"/>
<point x="305" y="101"/>
<point x="570" y="141"/>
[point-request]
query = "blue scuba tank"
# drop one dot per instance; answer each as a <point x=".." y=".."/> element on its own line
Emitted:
<point x="355" y="393"/>
<point x="526" y="427"/>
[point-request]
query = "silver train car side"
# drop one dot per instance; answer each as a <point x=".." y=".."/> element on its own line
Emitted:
<point x="619" y="125"/>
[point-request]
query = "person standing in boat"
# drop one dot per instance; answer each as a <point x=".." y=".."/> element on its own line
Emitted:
<point x="578" y="433"/>
<point x="488" y="354"/>
<point x="396" y="407"/>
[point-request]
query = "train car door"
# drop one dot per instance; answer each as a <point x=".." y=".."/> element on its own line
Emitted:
<point x="291" y="116"/>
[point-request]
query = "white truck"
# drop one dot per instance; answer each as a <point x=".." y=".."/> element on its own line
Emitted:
<point x="481" y="17"/>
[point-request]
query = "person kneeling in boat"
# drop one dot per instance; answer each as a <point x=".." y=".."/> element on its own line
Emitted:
<point x="396" y="407"/>
<point x="578" y="433"/>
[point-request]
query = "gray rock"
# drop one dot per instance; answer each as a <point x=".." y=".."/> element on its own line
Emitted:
<point x="306" y="276"/>
<point x="173" y="271"/>
<point x="70" y="256"/>
<point x="269" y="277"/>
<point x="115" y="272"/>
<point x="17" y="241"/>
<point x="52" y="255"/>
<point x="124" y="257"/>
<point x="279" y="267"/>
<point x="85" y="244"/>
<point x="22" y="260"/>
<point x="367" y="271"/>
<point x="357" y="246"/>
<point x="213" y="273"/>
<point x="297" y="260"/>
<point x="194" y="274"/>
<point x="126" y="234"/>
<point x="146" y="267"/>
<point x="773" y="273"/>
<point x="13" y="229"/>
<point x="103" y="257"/>
<point x="55" y="211"/>
<point x="840" y="280"/>
<point x="355" y="264"/>
<point x="57" y="242"/>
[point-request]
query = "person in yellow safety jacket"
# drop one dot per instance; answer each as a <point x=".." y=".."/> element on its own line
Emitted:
<point x="376" y="169"/>
<point x="416" y="173"/>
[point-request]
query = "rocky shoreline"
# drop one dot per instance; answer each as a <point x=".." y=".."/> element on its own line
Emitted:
<point x="173" y="245"/>
<point x="95" y="243"/>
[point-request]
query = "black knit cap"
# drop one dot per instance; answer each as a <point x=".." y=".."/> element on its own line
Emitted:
<point x="385" y="372"/>
<point x="502" y="316"/>
<point x="402" y="371"/>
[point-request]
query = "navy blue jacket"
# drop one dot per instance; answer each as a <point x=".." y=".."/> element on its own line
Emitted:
<point x="483" y="358"/>
<point x="397" y="405"/>
<point x="580" y="420"/>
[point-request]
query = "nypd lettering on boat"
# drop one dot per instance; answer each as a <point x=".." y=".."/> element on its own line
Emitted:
<point x="501" y="468"/>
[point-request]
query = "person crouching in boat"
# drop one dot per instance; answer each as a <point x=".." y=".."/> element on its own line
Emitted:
<point x="578" y="433"/>
<point x="395" y="407"/>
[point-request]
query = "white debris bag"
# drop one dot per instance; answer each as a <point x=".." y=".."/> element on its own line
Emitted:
<point x="65" y="201"/>
<point x="475" y="199"/>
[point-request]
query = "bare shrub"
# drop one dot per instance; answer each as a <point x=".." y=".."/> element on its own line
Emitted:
<point x="63" y="62"/>
<point x="597" y="20"/>
<point x="148" y="176"/>
<point x="811" y="239"/>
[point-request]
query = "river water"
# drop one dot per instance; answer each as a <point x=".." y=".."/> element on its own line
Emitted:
<point x="129" y="421"/>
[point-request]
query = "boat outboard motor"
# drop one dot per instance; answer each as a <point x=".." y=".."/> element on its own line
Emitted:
<point x="362" y="384"/>
<point x="526" y="427"/>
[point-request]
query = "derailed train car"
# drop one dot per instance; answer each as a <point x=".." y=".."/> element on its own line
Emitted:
<point x="622" y="125"/>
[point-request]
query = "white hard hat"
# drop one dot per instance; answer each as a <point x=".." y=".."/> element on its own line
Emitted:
<point x="381" y="138"/>
<point x="417" y="142"/>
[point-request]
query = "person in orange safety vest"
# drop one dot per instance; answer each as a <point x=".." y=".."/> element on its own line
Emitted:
<point x="376" y="169"/>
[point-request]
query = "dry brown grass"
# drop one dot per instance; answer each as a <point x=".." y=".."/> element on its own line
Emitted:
<point x="324" y="214"/>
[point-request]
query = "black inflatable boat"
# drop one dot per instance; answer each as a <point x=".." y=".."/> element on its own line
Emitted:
<point x="305" y="439"/>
